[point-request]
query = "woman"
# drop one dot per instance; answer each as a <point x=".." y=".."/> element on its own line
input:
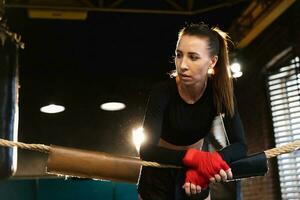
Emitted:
<point x="180" y="113"/>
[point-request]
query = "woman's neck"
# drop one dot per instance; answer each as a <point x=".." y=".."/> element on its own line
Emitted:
<point x="191" y="93"/>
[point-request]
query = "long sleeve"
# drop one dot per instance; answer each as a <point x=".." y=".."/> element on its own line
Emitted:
<point x="235" y="132"/>
<point x="150" y="151"/>
<point x="159" y="154"/>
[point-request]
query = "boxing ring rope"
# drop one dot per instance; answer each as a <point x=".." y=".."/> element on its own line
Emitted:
<point x="34" y="147"/>
<point x="46" y="149"/>
<point x="65" y="161"/>
<point x="270" y="153"/>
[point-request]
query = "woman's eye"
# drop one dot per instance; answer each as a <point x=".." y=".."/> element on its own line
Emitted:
<point x="194" y="58"/>
<point x="178" y="56"/>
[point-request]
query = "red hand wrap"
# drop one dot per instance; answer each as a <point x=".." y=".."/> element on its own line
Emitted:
<point x="192" y="176"/>
<point x="207" y="164"/>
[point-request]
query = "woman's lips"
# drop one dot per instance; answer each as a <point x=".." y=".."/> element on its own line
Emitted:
<point x="185" y="76"/>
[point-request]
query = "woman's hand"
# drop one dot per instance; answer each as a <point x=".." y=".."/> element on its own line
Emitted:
<point x="209" y="165"/>
<point x="195" y="181"/>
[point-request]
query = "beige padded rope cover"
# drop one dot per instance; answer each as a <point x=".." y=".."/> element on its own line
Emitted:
<point x="91" y="164"/>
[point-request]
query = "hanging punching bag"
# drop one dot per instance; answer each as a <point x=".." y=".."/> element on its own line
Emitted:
<point x="9" y="83"/>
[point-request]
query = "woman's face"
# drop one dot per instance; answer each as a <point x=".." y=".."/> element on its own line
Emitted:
<point x="193" y="59"/>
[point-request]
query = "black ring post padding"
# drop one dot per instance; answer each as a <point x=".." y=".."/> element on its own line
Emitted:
<point x="8" y="104"/>
<point x="253" y="165"/>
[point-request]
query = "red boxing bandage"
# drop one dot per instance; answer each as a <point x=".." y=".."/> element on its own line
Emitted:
<point x="207" y="164"/>
<point x="192" y="176"/>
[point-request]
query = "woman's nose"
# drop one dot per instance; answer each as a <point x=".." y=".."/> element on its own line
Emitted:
<point x="183" y="65"/>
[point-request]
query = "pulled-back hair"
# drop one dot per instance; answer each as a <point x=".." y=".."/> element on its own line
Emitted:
<point x="221" y="80"/>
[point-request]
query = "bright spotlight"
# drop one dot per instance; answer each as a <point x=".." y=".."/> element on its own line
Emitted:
<point x="52" y="108"/>
<point x="237" y="74"/>
<point x="138" y="137"/>
<point x="235" y="67"/>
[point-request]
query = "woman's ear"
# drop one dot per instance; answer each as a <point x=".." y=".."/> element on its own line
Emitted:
<point x="214" y="60"/>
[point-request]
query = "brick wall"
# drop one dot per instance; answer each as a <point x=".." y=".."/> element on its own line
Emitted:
<point x="252" y="98"/>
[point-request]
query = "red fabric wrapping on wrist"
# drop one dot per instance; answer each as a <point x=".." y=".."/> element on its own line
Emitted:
<point x="207" y="164"/>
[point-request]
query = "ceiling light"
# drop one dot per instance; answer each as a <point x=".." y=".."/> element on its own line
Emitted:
<point x="52" y="108"/>
<point x="112" y="106"/>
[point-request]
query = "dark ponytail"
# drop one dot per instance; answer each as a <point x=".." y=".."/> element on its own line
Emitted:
<point x="222" y="81"/>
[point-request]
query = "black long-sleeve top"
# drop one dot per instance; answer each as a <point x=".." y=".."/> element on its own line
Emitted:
<point x="169" y="117"/>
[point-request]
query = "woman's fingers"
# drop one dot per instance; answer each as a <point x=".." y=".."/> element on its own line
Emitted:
<point x="191" y="188"/>
<point x="229" y="174"/>
<point x="198" y="188"/>
<point x="187" y="188"/>
<point x="223" y="175"/>
<point x="212" y="179"/>
<point x="218" y="177"/>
